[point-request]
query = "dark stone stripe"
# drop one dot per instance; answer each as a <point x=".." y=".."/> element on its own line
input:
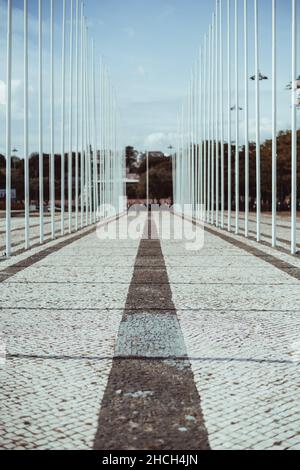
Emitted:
<point x="18" y="229"/>
<point x="263" y="223"/>
<point x="283" y="266"/>
<point x="47" y="240"/>
<point x="279" y="248"/>
<point x="269" y="237"/>
<point x="22" y="242"/>
<point x="12" y="270"/>
<point x="151" y="401"/>
<point x="12" y="357"/>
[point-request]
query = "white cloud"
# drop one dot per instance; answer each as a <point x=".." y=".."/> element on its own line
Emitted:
<point x="130" y="32"/>
<point x="16" y="87"/>
<point x="265" y="128"/>
<point x="167" y="10"/>
<point x="141" y="70"/>
<point x="160" y="140"/>
<point x="2" y="93"/>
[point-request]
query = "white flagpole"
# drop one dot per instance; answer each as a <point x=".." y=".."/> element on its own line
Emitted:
<point x="294" y="131"/>
<point x="41" y="156"/>
<point x="89" y="120"/>
<point x="93" y="159"/>
<point x="104" y="166"/>
<point x="95" y="165"/>
<point x="257" y="102"/>
<point x="209" y="87"/>
<point x="213" y="51"/>
<point x="82" y="151"/>
<point x="189" y="144"/>
<point x="196" y="135"/>
<point x="77" y="118"/>
<point x="246" y="119"/>
<point x="222" y="116"/>
<point x="109" y="139"/>
<point x="201" y="137"/>
<point x="70" y="159"/>
<point x="177" y="164"/>
<point x="63" y="119"/>
<point x="237" y="169"/>
<point x="229" y="113"/>
<point x="52" y="151"/>
<point x="107" y="119"/>
<point x="183" y="160"/>
<point x="108" y="136"/>
<point x="101" y="133"/>
<point x="193" y="140"/>
<point x="26" y="149"/>
<point x="186" y="129"/>
<point x="87" y="142"/>
<point x="205" y="62"/>
<point x="88" y="81"/>
<point x="274" y="125"/>
<point x="85" y="123"/>
<point x="8" y="127"/>
<point x="147" y="179"/>
<point x="217" y="80"/>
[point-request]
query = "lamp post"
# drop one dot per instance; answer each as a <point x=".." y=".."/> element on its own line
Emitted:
<point x="14" y="151"/>
<point x="147" y="179"/>
<point x="274" y="123"/>
<point x="8" y="127"/>
<point x="257" y="111"/>
<point x="173" y="170"/>
<point x="294" y="133"/>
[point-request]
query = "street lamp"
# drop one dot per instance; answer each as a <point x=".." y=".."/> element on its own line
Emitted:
<point x="260" y="77"/>
<point x="15" y="151"/>
<point x="173" y="169"/>
<point x="147" y="179"/>
<point x="233" y="108"/>
<point x="290" y="85"/>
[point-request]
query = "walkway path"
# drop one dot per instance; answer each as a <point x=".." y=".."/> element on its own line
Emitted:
<point x="143" y="344"/>
<point x="283" y="229"/>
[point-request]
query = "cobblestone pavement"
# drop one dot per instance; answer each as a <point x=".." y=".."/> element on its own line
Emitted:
<point x="239" y="320"/>
<point x="18" y="233"/>
<point x="283" y="229"/>
<point x="60" y="319"/>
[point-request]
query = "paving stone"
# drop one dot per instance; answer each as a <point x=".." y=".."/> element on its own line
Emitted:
<point x="238" y="324"/>
<point x="150" y="335"/>
<point x="59" y="358"/>
<point x="240" y="340"/>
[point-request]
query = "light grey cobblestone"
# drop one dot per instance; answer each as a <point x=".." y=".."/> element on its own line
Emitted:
<point x="240" y="321"/>
<point x="242" y="342"/>
<point x="145" y="335"/>
<point x="60" y="335"/>
<point x="52" y="400"/>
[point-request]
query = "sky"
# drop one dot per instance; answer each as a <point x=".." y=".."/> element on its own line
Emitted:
<point x="150" y="47"/>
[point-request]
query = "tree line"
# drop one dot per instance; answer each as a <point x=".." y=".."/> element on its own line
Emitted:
<point x="17" y="177"/>
<point x="160" y="181"/>
<point x="161" y="174"/>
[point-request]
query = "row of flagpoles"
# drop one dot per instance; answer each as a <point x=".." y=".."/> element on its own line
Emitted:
<point x="89" y="125"/>
<point x="199" y="179"/>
